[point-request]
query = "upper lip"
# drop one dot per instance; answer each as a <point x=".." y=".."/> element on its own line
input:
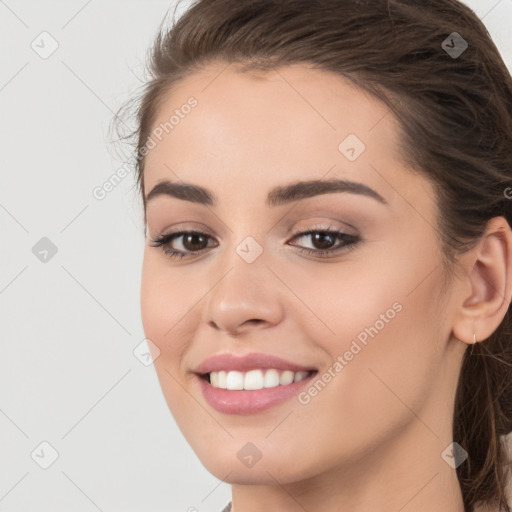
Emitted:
<point x="227" y="361"/>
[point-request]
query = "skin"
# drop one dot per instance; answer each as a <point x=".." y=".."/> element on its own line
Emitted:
<point x="372" y="438"/>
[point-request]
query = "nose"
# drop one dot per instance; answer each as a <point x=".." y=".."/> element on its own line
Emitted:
<point x="248" y="296"/>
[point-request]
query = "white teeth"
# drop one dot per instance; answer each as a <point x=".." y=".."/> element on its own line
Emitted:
<point x="286" y="378"/>
<point x="221" y="379"/>
<point x="300" y="376"/>
<point x="235" y="380"/>
<point x="254" y="379"/>
<point x="214" y="379"/>
<point x="271" y="378"/>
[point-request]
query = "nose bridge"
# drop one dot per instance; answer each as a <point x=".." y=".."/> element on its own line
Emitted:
<point x="238" y="294"/>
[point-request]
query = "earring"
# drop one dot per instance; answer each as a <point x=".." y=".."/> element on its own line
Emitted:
<point x="474" y="337"/>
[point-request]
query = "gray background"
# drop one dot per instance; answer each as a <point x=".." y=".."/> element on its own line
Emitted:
<point x="70" y="323"/>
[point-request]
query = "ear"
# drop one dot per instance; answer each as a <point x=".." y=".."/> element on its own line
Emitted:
<point x="487" y="286"/>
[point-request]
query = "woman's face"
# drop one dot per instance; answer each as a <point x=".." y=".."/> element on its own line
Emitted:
<point x="371" y="317"/>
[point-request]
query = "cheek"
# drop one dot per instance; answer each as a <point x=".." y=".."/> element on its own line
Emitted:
<point x="168" y="310"/>
<point x="166" y="300"/>
<point x="161" y="309"/>
<point x="335" y="303"/>
<point x="380" y="322"/>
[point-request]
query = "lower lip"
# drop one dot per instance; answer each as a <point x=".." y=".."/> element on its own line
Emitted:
<point x="243" y="401"/>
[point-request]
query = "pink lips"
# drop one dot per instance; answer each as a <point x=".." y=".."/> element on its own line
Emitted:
<point x="248" y="401"/>
<point x="252" y="361"/>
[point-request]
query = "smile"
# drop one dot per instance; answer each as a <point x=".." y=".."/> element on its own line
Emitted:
<point x="236" y="398"/>
<point x="254" y="379"/>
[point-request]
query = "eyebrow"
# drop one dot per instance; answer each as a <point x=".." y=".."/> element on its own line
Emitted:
<point x="276" y="197"/>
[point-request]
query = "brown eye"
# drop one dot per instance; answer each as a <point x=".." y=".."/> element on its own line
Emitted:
<point x="192" y="242"/>
<point x="324" y="242"/>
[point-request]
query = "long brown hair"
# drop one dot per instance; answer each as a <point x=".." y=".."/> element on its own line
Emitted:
<point x="454" y="104"/>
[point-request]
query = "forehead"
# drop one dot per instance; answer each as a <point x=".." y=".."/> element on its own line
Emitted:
<point x="265" y="128"/>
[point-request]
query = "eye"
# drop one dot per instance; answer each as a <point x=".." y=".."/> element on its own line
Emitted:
<point x="325" y="238"/>
<point x="194" y="242"/>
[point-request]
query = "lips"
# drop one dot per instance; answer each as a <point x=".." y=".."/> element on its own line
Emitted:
<point x="246" y="362"/>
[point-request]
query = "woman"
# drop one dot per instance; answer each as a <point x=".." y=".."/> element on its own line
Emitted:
<point x="328" y="268"/>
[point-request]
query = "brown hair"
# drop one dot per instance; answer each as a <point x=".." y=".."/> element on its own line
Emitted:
<point x="455" y="113"/>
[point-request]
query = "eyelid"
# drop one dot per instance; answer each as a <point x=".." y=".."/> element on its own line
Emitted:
<point x="292" y="228"/>
<point x="296" y="230"/>
<point x="326" y="212"/>
<point x="187" y="225"/>
<point x="326" y="225"/>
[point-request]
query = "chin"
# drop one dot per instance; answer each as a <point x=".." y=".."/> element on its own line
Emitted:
<point x="257" y="475"/>
<point x="264" y="471"/>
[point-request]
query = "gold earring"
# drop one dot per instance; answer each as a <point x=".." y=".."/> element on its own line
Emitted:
<point x="474" y="337"/>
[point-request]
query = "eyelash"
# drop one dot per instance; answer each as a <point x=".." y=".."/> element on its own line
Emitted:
<point x="350" y="242"/>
